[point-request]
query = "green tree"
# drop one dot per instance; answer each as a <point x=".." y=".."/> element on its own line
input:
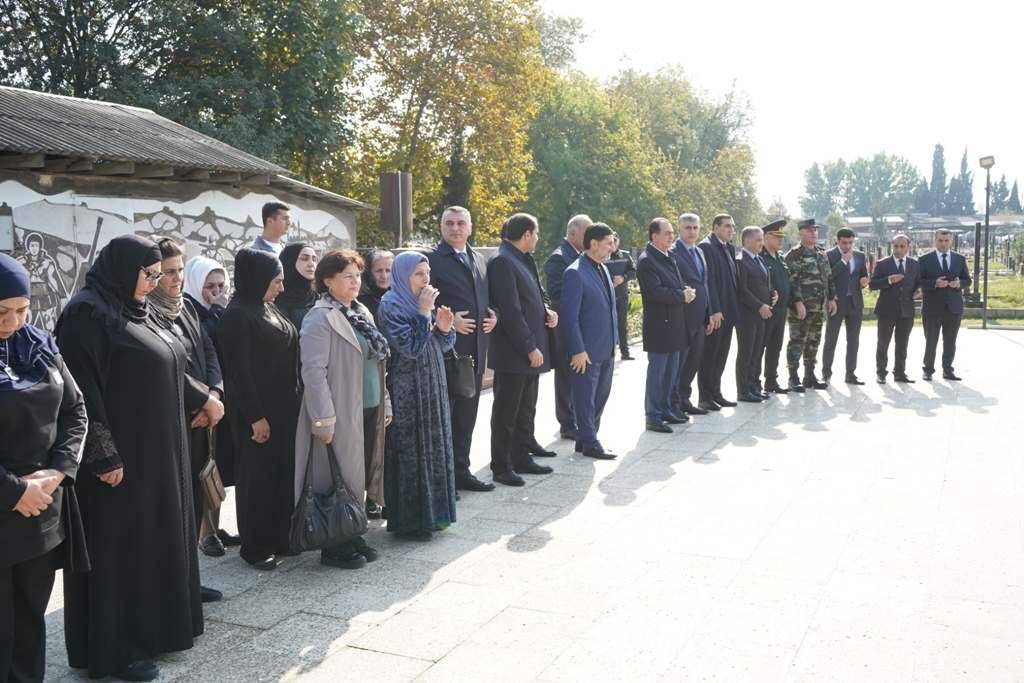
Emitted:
<point x="825" y="189"/>
<point x="924" y="200"/>
<point x="881" y="185"/>
<point x="938" y="186"/>
<point x="960" y="196"/>
<point x="1000" y="195"/>
<point x="459" y="181"/>
<point x="1013" y="203"/>
<point x="559" y="38"/>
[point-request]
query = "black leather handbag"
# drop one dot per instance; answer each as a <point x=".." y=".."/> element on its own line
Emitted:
<point x="324" y="520"/>
<point x="461" y="373"/>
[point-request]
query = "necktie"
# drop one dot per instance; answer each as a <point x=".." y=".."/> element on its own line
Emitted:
<point x="464" y="257"/>
<point x="945" y="263"/>
<point x="696" y="261"/>
<point x="899" y="266"/>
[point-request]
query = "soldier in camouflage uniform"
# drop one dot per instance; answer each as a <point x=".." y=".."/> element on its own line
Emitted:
<point x="812" y="295"/>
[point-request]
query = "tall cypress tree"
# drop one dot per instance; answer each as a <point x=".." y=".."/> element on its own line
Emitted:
<point x="1000" y="195"/>
<point x="938" y="186"/>
<point x="960" y="196"/>
<point x="1013" y="204"/>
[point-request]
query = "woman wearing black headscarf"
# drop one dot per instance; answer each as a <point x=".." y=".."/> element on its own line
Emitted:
<point x="260" y="350"/>
<point x="141" y="598"/>
<point x="298" y="263"/>
<point x="42" y="429"/>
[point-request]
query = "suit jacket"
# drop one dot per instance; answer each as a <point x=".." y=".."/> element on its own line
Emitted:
<point x="661" y="287"/>
<point x="587" y="317"/>
<point x="700" y="309"/>
<point x="754" y="287"/>
<point x="516" y="294"/>
<point x="945" y="300"/>
<point x="621" y="263"/>
<point x="722" y="260"/>
<point x="846" y="282"/>
<point x="554" y="269"/>
<point x="895" y="300"/>
<point x="463" y="288"/>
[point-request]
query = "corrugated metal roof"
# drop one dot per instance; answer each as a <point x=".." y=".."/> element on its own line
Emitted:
<point x="33" y="122"/>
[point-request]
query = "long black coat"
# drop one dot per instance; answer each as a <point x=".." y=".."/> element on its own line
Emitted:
<point x="463" y="289"/>
<point x="722" y="261"/>
<point x="516" y="293"/>
<point x="554" y="270"/>
<point x="754" y="287"/>
<point x="895" y="300"/>
<point x="661" y="287"/>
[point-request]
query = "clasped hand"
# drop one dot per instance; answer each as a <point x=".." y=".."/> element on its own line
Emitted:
<point x="39" y="487"/>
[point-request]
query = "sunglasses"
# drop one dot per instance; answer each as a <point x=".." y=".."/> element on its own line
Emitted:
<point x="151" y="276"/>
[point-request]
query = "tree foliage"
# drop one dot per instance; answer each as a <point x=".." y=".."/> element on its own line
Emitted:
<point x="1013" y="203"/>
<point x="938" y="186"/>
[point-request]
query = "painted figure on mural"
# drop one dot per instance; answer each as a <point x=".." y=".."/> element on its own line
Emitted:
<point x="48" y="290"/>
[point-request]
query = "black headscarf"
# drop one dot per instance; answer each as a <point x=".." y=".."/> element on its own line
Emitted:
<point x="29" y="350"/>
<point x="298" y="291"/>
<point x="110" y="282"/>
<point x="254" y="270"/>
<point x="369" y="284"/>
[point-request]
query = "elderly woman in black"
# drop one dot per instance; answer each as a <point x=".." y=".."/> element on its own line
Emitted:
<point x="260" y="352"/>
<point x="174" y="313"/>
<point x="141" y="597"/>
<point x="376" y="279"/>
<point x="42" y="429"/>
<point x="298" y="262"/>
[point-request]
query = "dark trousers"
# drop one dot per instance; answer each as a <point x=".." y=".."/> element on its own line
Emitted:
<point x="512" y="419"/>
<point x="851" y="319"/>
<point x="749" y="342"/>
<point x="369" y="440"/>
<point x="622" y="311"/>
<point x="689" y="363"/>
<point x="949" y="325"/>
<point x="662" y="373"/>
<point x="774" y="331"/>
<point x="590" y="392"/>
<point x="24" y="591"/>
<point x="712" y="362"/>
<point x="886" y="327"/>
<point x="463" y="422"/>
<point x="563" y="398"/>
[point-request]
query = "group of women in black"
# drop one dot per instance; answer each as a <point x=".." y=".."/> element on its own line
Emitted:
<point x="155" y="370"/>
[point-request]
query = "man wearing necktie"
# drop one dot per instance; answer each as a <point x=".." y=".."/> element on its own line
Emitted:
<point x="943" y="278"/>
<point x="720" y="256"/>
<point x="850" y="273"/>
<point x="897" y="279"/>
<point x="460" y="275"/>
<point x="756" y="298"/>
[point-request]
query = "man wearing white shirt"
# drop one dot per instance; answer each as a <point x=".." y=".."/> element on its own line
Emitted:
<point x="850" y="274"/>
<point x="944" y="276"/>
<point x="897" y="280"/>
<point x="276" y="222"/>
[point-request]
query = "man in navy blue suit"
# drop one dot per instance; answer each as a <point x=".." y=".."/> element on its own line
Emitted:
<point x="720" y="256"/>
<point x="589" y="334"/>
<point x="702" y="314"/>
<point x="850" y="274"/>
<point x="460" y="275"/>
<point x="943" y="276"/>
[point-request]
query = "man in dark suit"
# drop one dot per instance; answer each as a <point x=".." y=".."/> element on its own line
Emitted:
<point x="897" y="279"/>
<point x="460" y="275"/>
<point x="702" y="314"/>
<point x="565" y="254"/>
<point x="589" y="330"/>
<point x="944" y="276"/>
<point x="664" y="324"/>
<point x="622" y="269"/>
<point x="755" y="298"/>
<point x="775" y="326"/>
<point x="850" y="274"/>
<point x="720" y="255"/>
<point x="519" y="351"/>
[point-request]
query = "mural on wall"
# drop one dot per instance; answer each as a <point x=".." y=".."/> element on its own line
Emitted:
<point x="56" y="237"/>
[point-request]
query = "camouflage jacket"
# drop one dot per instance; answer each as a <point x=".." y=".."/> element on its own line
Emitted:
<point x="810" y="277"/>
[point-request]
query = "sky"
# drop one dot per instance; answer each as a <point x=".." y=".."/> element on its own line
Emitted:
<point x="827" y="79"/>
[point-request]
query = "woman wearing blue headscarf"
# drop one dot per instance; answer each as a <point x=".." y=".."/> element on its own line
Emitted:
<point x="42" y="430"/>
<point x="419" y="470"/>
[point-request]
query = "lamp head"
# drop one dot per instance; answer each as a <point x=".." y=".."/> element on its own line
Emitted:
<point x="987" y="162"/>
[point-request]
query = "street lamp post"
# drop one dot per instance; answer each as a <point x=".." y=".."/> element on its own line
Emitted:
<point x="986" y="163"/>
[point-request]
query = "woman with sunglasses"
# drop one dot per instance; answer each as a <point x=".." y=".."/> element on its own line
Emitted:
<point x="141" y="598"/>
<point x="207" y="287"/>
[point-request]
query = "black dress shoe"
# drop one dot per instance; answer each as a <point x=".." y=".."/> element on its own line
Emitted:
<point x="598" y="454"/>
<point x="578" y="448"/>
<point x="210" y="594"/>
<point x="344" y="556"/>
<point x="509" y="479"/>
<point x="749" y="398"/>
<point x="626" y="356"/>
<point x="468" y="482"/>
<point x="880" y="378"/>
<point x="659" y="427"/>
<point x="811" y="382"/>
<point x="373" y="509"/>
<point x="852" y="379"/>
<point x="826" y="377"/>
<point x="903" y="379"/>
<point x="763" y="394"/>
<point x="927" y="376"/>
<point x="211" y="546"/>
<point x="229" y="540"/>
<point x="530" y="467"/>
<point x="267" y="564"/>
<point x="720" y="400"/>
<point x="950" y="375"/>
<point x="676" y="419"/>
<point x="139" y="671"/>
<point x="795" y="385"/>
<point x="538" y="451"/>
<point x="708" y="406"/>
<point x="359" y="543"/>
<point x="691" y="409"/>
<point x="775" y="388"/>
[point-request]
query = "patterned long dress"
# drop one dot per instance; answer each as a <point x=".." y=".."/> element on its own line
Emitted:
<point x="419" y="466"/>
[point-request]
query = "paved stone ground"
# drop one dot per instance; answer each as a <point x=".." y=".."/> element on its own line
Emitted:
<point x="868" y="533"/>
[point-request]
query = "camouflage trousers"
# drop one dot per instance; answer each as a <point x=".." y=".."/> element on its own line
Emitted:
<point x="804" y="338"/>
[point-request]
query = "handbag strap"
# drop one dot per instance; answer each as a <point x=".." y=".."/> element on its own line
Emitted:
<point x="332" y="462"/>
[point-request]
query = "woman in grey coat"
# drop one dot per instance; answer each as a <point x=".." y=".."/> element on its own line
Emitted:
<point x="343" y="360"/>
